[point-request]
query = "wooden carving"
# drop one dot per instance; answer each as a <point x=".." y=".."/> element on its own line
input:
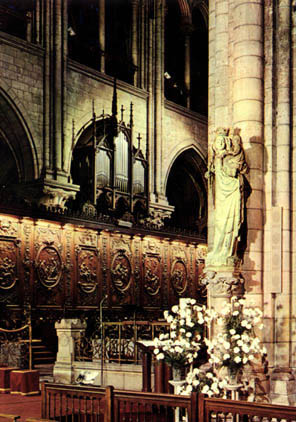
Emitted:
<point x="49" y="266"/>
<point x="8" y="264"/>
<point x="87" y="270"/>
<point x="179" y="277"/>
<point x="152" y="275"/>
<point x="121" y="272"/>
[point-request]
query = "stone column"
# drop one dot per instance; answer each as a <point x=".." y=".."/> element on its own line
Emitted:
<point x="293" y="169"/>
<point x="187" y="75"/>
<point x="248" y="108"/>
<point x="282" y="379"/>
<point x="53" y="188"/>
<point x="38" y="21"/>
<point x="218" y="79"/>
<point x="158" y="207"/>
<point x="135" y="6"/>
<point x="102" y="34"/>
<point x="68" y="330"/>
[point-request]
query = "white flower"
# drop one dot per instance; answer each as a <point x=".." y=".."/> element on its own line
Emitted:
<point x="226" y="356"/>
<point x="226" y="345"/>
<point x="232" y="331"/>
<point x="175" y="309"/>
<point x="236" y="349"/>
<point x="205" y="389"/>
<point x="235" y="313"/>
<point x="237" y="359"/>
<point x="160" y="356"/>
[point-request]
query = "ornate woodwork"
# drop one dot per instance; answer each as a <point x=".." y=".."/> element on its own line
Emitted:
<point x="57" y="267"/>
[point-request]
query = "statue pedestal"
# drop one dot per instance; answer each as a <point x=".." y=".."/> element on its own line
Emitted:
<point x="223" y="283"/>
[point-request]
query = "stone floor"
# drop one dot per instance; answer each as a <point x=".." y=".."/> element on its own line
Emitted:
<point x="26" y="406"/>
<point x="23" y="406"/>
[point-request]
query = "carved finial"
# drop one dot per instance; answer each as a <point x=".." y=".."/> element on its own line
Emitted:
<point x="131" y="115"/>
<point x="139" y="140"/>
<point x="114" y="100"/>
<point x="122" y="110"/>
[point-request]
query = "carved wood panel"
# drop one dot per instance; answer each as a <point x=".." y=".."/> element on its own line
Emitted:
<point x="121" y="285"/>
<point x="49" y="266"/>
<point x="152" y="270"/>
<point x="87" y="269"/>
<point x="53" y="265"/>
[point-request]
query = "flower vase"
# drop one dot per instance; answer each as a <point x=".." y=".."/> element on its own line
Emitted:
<point x="232" y="377"/>
<point x="234" y="384"/>
<point x="177" y="373"/>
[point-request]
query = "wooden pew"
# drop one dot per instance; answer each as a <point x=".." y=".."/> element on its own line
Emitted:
<point x="8" y="418"/>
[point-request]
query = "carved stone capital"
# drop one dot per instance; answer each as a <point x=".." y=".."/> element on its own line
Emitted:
<point x="46" y="192"/>
<point x="223" y="284"/>
<point x="159" y="211"/>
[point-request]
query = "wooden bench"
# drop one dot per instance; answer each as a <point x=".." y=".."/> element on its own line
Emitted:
<point x="8" y="418"/>
<point x="39" y="420"/>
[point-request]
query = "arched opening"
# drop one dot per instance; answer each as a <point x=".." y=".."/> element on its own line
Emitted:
<point x="15" y="146"/>
<point x="186" y="191"/>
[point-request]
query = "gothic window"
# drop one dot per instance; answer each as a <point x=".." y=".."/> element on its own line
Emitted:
<point x="83" y="32"/>
<point x="118" y="53"/>
<point x="15" y="16"/>
<point x="186" y="54"/>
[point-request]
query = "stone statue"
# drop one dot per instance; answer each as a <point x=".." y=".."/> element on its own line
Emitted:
<point x="226" y="166"/>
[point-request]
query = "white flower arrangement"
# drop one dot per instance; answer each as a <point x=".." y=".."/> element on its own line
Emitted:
<point x="205" y="382"/>
<point x="187" y="321"/>
<point x="238" y="344"/>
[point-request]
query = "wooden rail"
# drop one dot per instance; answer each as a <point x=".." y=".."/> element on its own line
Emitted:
<point x="70" y="403"/>
<point x="221" y="410"/>
<point x="96" y="404"/>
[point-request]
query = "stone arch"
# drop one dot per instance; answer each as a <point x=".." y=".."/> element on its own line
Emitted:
<point x="178" y="149"/>
<point x="186" y="190"/>
<point x="16" y="138"/>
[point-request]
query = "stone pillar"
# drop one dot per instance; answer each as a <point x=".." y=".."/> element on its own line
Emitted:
<point x="38" y="22"/>
<point x="159" y="208"/>
<point x="248" y="117"/>
<point x="68" y="330"/>
<point x="280" y="212"/>
<point x="135" y="6"/>
<point x="293" y="171"/>
<point x="219" y="80"/>
<point x="187" y="75"/>
<point x="53" y="187"/>
<point x="102" y="34"/>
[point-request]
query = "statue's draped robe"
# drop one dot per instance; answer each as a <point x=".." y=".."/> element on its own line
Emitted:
<point x="228" y="214"/>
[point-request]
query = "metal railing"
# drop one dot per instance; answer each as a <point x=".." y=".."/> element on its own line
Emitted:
<point x="12" y="340"/>
<point x="118" y="342"/>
